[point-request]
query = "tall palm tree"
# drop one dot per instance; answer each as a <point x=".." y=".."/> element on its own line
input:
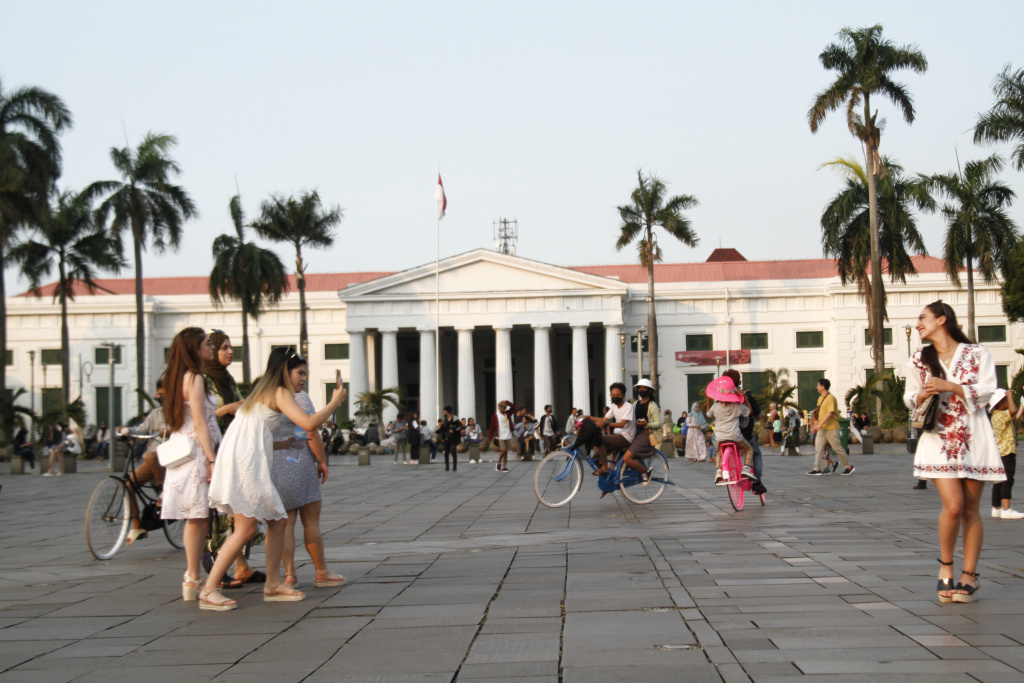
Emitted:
<point x="846" y="231"/>
<point x="146" y="204"/>
<point x="1013" y="283"/>
<point x="245" y="272"/>
<point x="66" y="237"/>
<point x="30" y="161"/>
<point x="13" y="416"/>
<point x="651" y="209"/>
<point x="300" y="222"/>
<point x="1005" y="120"/>
<point x="978" y="226"/>
<point x="372" y="403"/>
<point x="777" y="389"/>
<point x="863" y="62"/>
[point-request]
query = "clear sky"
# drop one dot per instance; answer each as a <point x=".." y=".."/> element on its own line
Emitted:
<point x="540" y="111"/>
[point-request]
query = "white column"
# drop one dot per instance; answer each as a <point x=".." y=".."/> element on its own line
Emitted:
<point x="428" y="378"/>
<point x="542" y="395"/>
<point x="503" y="365"/>
<point x="467" y="380"/>
<point x="612" y="354"/>
<point x="357" y="371"/>
<point x="389" y="370"/>
<point x="580" y="370"/>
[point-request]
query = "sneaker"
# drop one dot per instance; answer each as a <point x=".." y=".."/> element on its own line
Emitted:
<point x="828" y="469"/>
<point x="504" y="469"/>
<point x="922" y="484"/>
<point x="48" y="474"/>
<point x="646" y="477"/>
<point x="497" y="467"/>
<point x="835" y="466"/>
<point x="814" y="473"/>
<point x="748" y="473"/>
<point x="997" y="512"/>
<point x="719" y="479"/>
<point x="1012" y="514"/>
<point x="758" y="488"/>
<point x="849" y="470"/>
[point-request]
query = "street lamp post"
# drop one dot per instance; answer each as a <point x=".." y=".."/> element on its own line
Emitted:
<point x="718" y="367"/>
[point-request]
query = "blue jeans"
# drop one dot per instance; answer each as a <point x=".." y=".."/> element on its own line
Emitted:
<point x="757" y="458"/>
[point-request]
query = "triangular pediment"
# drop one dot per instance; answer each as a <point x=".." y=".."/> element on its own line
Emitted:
<point x="481" y="273"/>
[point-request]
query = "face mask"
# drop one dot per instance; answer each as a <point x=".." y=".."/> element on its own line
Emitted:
<point x="617" y="400"/>
<point x="644" y="393"/>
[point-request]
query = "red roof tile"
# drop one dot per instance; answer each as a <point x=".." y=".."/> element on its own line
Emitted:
<point x="725" y="255"/>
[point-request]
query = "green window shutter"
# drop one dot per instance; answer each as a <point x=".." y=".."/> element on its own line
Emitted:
<point x="1002" y="375"/>
<point x="51" y="399"/>
<point x="695" y="386"/>
<point x="342" y="412"/>
<point x="753" y="340"/>
<point x="886" y="337"/>
<point x="102" y="355"/>
<point x="988" y="334"/>
<point x="700" y="342"/>
<point x="9" y="357"/>
<point x="632" y="344"/>
<point x="335" y="351"/>
<point x="810" y="340"/>
<point x="50" y="357"/>
<point x="102" y="405"/>
<point x="807" y="388"/>
<point x="753" y="382"/>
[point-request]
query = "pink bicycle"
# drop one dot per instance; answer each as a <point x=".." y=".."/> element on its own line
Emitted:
<point x="732" y="467"/>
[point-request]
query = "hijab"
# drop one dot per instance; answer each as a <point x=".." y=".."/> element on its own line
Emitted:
<point x="223" y="382"/>
<point x="698" y="416"/>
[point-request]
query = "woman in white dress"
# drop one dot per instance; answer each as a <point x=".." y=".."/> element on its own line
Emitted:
<point x="189" y="409"/>
<point x="960" y="454"/>
<point x="241" y="483"/>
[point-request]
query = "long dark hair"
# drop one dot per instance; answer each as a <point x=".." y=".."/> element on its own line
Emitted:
<point x="183" y="357"/>
<point x="929" y="356"/>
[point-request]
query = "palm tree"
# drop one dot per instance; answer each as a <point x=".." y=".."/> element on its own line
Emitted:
<point x="1005" y="120"/>
<point x="30" y="161"/>
<point x="1013" y="283"/>
<point x="146" y="204"/>
<point x="12" y="415"/>
<point x="978" y="224"/>
<point x="863" y="62"/>
<point x="885" y="388"/>
<point x="846" y="231"/>
<point x="300" y="222"/>
<point x="372" y="403"/>
<point x="650" y="209"/>
<point x="777" y="389"/>
<point x="66" y="238"/>
<point x="247" y="273"/>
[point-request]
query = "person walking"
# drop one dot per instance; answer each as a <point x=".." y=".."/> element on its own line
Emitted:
<point x="696" y="445"/>
<point x="825" y="426"/>
<point x="415" y="438"/>
<point x="773" y="414"/>
<point x="547" y="430"/>
<point x="1001" y="410"/>
<point x="190" y="413"/>
<point x="400" y="429"/>
<point x="299" y="468"/>
<point x="242" y="483"/>
<point x="501" y="430"/>
<point x="451" y="436"/>
<point x="960" y="453"/>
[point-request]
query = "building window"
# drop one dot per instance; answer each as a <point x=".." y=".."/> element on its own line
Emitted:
<point x="103" y="406"/>
<point x="102" y="355"/>
<point x="51" y="399"/>
<point x="988" y="334"/>
<point x="695" y="386"/>
<point x="886" y="337"/>
<point x="700" y="342"/>
<point x="753" y="340"/>
<point x="810" y="340"/>
<point x="753" y="382"/>
<point x="238" y="351"/>
<point x="1002" y="375"/>
<point x="335" y="351"/>
<point x="49" y="357"/>
<point x="807" y="388"/>
<point x="632" y="344"/>
<point x="9" y="356"/>
<point x="166" y="351"/>
<point x="341" y="413"/>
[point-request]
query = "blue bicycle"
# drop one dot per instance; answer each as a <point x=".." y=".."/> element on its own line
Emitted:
<point x="559" y="476"/>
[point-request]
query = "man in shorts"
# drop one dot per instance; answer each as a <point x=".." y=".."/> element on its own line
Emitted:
<point x="501" y="429"/>
<point x="621" y="419"/>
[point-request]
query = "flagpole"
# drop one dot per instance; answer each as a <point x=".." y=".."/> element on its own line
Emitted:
<point x="437" y="305"/>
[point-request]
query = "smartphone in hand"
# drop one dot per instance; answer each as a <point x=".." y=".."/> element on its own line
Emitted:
<point x="337" y="378"/>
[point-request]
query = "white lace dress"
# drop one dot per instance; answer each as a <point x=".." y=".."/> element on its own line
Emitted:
<point x="241" y="481"/>
<point x="185" y="487"/>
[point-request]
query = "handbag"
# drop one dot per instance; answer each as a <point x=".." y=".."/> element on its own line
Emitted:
<point x="174" y="452"/>
<point x="926" y="415"/>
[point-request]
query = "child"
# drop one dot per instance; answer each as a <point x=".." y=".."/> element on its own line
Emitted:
<point x="777" y="430"/>
<point x="1001" y="409"/>
<point x="729" y="407"/>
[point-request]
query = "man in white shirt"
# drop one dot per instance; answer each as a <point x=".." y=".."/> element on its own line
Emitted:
<point x="621" y="418"/>
<point x="570" y="424"/>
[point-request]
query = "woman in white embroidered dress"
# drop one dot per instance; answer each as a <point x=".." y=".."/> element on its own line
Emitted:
<point x="242" y="484"/>
<point x="190" y="409"/>
<point x="960" y="454"/>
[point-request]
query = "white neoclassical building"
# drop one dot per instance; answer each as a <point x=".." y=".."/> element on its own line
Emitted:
<point x="509" y="327"/>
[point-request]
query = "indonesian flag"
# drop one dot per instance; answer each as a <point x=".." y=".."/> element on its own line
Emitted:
<point x="442" y="200"/>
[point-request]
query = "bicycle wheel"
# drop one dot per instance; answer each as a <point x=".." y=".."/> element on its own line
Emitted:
<point x="558" y="478"/>
<point x="107" y="518"/>
<point x="631" y="484"/>
<point x="174" y="530"/>
<point x="731" y="462"/>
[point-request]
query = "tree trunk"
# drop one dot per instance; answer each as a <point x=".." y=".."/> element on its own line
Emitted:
<point x="652" y="321"/>
<point x="301" y="277"/>
<point x="246" y="374"/>
<point x="140" y="327"/>
<point x="970" y="298"/>
<point x="876" y="323"/>
<point x="3" y="329"/>
<point x="65" y="344"/>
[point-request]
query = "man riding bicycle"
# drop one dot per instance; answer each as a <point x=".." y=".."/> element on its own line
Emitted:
<point x="621" y="418"/>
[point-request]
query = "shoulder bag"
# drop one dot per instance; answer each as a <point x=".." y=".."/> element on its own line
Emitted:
<point x="926" y="415"/>
<point x="174" y="452"/>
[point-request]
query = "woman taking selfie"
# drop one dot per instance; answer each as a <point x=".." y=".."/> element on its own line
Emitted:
<point x="242" y="483"/>
<point x="958" y="453"/>
<point x="190" y="411"/>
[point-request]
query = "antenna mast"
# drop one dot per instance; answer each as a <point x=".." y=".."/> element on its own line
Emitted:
<point x="506" y="236"/>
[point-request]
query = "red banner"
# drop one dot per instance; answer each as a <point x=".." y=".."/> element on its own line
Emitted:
<point x="741" y="357"/>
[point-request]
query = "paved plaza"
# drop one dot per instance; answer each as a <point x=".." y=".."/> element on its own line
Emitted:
<point x="464" y="576"/>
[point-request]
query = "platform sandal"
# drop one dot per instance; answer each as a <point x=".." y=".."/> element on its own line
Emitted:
<point x="972" y="591"/>
<point x="189" y="588"/>
<point x="220" y="606"/>
<point x="946" y="585"/>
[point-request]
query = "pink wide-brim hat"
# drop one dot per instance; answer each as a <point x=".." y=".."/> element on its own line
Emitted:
<point x="723" y="389"/>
